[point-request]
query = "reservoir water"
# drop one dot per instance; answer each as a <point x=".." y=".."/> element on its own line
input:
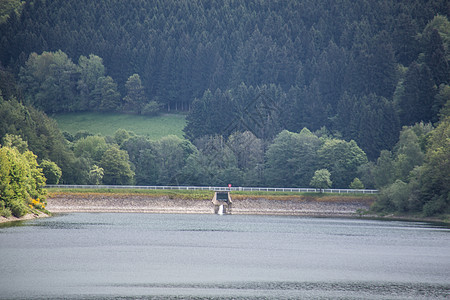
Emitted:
<point x="164" y="256"/>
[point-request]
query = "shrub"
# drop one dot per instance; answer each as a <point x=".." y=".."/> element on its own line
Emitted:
<point x="18" y="208"/>
<point x="399" y="192"/>
<point x="433" y="207"/>
<point x="4" y="211"/>
<point x="21" y="179"/>
<point x="151" y="109"/>
<point x="356" y="184"/>
<point x="321" y="179"/>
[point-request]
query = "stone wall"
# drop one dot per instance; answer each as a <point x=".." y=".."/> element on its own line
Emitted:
<point x="296" y="205"/>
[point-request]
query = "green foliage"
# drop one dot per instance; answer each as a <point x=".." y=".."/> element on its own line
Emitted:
<point x="90" y="147"/>
<point x="416" y="102"/>
<point x="244" y="108"/>
<point x="441" y="24"/>
<point x="146" y="164"/>
<point x="47" y="81"/>
<point x="91" y="69"/>
<point x="8" y="84"/>
<point x="342" y="159"/>
<point x="366" y="173"/>
<point x="249" y="153"/>
<point x="79" y="135"/>
<point x="408" y="153"/>
<point x="15" y="141"/>
<point x="370" y="120"/>
<point x="279" y="168"/>
<point x="321" y="179"/>
<point x="51" y="171"/>
<point x="8" y="7"/>
<point x="53" y="83"/>
<point x="92" y="73"/>
<point x="152" y="108"/>
<point x="356" y="184"/>
<point x="172" y="153"/>
<point x="214" y="163"/>
<point x="21" y="180"/>
<point x="116" y="166"/>
<point x="135" y="100"/>
<point x="250" y="73"/>
<point x="121" y="135"/>
<point x="236" y="66"/>
<point x="422" y="180"/>
<point x="107" y="95"/>
<point x="39" y="132"/>
<point x="436" y="206"/>
<point x="384" y="172"/>
<point x="442" y="101"/>
<point x="396" y="195"/>
<point x="5" y="211"/>
<point x="435" y="190"/>
<point x="292" y="158"/>
<point x="95" y="175"/>
<point x="18" y="208"/>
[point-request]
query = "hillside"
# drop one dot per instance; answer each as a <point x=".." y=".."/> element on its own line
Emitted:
<point x="107" y="123"/>
<point x="362" y="70"/>
<point x="290" y="93"/>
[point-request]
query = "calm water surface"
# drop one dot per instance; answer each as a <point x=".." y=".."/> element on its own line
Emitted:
<point x="141" y="256"/>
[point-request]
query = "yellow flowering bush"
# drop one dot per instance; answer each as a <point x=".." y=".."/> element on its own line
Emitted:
<point x="37" y="203"/>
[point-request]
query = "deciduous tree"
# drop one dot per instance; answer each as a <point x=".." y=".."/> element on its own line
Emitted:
<point x="51" y="171"/>
<point x="321" y="179"/>
<point x="135" y="99"/>
<point x="21" y="180"/>
<point x="342" y="159"/>
<point x="116" y="166"/>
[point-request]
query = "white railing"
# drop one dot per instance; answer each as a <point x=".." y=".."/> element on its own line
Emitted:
<point x="215" y="188"/>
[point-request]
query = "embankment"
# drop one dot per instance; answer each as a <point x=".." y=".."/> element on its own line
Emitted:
<point x="242" y="204"/>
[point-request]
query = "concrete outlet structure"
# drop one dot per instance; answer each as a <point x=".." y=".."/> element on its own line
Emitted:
<point x="222" y="202"/>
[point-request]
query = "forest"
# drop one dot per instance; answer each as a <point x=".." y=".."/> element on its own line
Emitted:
<point x="274" y="91"/>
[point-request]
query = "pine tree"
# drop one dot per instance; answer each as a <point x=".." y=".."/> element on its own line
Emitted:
<point x="417" y="100"/>
<point x="436" y="60"/>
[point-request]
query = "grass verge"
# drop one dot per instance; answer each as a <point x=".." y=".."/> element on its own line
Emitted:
<point x="207" y="195"/>
<point x="181" y="194"/>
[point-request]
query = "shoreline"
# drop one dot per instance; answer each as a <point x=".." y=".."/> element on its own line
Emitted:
<point x="325" y="206"/>
<point x="31" y="216"/>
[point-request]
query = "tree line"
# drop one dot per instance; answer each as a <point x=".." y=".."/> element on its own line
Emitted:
<point x="52" y="83"/>
<point x="126" y="158"/>
<point x="412" y="177"/>
<point x="361" y="69"/>
<point x="362" y="75"/>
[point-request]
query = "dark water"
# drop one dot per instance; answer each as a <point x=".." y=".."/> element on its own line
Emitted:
<point x="151" y="256"/>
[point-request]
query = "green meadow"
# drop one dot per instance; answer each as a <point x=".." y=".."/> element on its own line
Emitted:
<point x="108" y="123"/>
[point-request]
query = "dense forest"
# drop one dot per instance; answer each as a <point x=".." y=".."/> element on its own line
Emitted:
<point x="276" y="89"/>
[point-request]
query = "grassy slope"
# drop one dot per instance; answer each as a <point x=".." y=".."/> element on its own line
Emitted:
<point x="107" y="123"/>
